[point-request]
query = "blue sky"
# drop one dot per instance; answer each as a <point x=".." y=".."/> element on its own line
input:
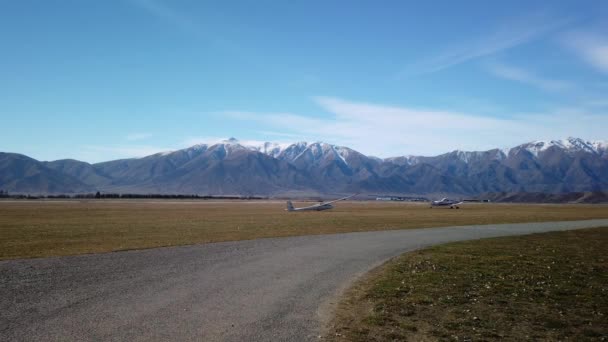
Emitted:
<point x="100" y="80"/>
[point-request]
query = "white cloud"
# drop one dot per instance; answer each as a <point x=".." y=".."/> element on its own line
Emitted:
<point x="386" y="131"/>
<point x="138" y="136"/>
<point x="183" y="21"/>
<point x="524" y="76"/>
<point x="97" y="153"/>
<point x="164" y="12"/>
<point x="591" y="47"/>
<point x="191" y="141"/>
<point x="283" y="135"/>
<point x="508" y="35"/>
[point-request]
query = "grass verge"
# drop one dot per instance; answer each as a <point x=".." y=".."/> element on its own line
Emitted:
<point x="551" y="286"/>
<point x="54" y="228"/>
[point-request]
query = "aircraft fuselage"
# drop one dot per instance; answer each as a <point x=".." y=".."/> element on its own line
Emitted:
<point x="446" y="203"/>
<point x="316" y="208"/>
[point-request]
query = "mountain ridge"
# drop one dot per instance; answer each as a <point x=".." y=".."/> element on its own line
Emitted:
<point x="232" y="167"/>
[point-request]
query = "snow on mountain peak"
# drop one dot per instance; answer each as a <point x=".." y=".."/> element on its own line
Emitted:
<point x="198" y="147"/>
<point x="313" y="152"/>
<point x="343" y="153"/>
<point x="467" y="156"/>
<point x="600" y="145"/>
<point x="404" y="160"/>
<point x="310" y="151"/>
<point x="272" y="149"/>
<point x="324" y="149"/>
<point x="570" y="144"/>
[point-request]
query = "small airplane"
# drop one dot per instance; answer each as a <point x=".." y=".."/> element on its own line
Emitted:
<point x="318" y="206"/>
<point x="444" y="202"/>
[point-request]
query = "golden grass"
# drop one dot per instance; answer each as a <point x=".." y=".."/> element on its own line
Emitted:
<point x="53" y="228"/>
<point x="540" y="287"/>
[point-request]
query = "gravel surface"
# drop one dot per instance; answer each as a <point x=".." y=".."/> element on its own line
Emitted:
<point x="279" y="289"/>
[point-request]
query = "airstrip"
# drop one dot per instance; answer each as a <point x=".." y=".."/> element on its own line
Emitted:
<point x="56" y="228"/>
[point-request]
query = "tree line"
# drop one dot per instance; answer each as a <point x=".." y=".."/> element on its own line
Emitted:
<point x="100" y="195"/>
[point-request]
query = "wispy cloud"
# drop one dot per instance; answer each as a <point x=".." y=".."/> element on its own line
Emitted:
<point x="506" y="36"/>
<point x="138" y="136"/>
<point x="528" y="77"/>
<point x="168" y="14"/>
<point x="204" y="140"/>
<point x="590" y="46"/>
<point x="99" y="153"/>
<point x="291" y="136"/>
<point x="183" y="21"/>
<point x="385" y="130"/>
<point x="388" y="130"/>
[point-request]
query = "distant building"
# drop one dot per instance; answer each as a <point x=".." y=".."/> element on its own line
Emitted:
<point x="384" y="198"/>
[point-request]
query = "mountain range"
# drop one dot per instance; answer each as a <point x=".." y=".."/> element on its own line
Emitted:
<point x="229" y="168"/>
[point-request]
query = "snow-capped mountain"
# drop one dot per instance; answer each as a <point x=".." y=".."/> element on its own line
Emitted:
<point x="403" y="160"/>
<point x="230" y="145"/>
<point x="311" y="152"/>
<point x="570" y="145"/>
<point x="234" y="167"/>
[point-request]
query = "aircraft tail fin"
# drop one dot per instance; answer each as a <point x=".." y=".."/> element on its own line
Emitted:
<point x="289" y="206"/>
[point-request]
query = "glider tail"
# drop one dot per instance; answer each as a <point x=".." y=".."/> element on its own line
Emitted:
<point x="289" y="206"/>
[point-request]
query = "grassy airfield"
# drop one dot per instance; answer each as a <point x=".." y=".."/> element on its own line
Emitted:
<point x="541" y="287"/>
<point x="54" y="228"/>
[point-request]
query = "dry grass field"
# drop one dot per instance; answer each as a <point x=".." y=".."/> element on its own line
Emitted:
<point x="54" y="228"/>
<point x="540" y="287"/>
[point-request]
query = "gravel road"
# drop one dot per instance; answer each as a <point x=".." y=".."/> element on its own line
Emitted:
<point x="279" y="289"/>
